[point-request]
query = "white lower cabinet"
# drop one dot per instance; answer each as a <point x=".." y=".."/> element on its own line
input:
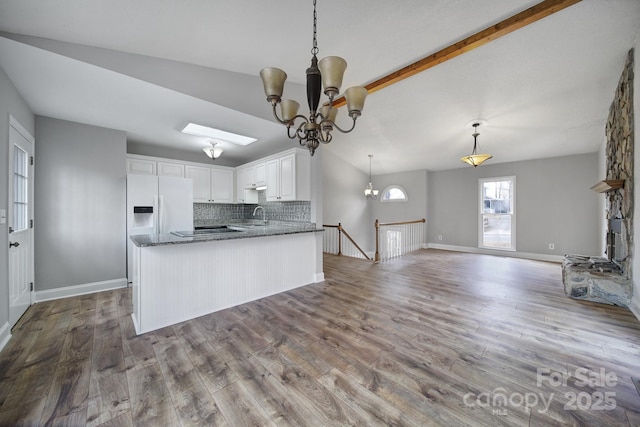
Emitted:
<point x="217" y="275"/>
<point x="210" y="185"/>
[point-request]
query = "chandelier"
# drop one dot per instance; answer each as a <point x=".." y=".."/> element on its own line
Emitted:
<point x="475" y="159"/>
<point x="369" y="192"/>
<point x="214" y="151"/>
<point x="317" y="127"/>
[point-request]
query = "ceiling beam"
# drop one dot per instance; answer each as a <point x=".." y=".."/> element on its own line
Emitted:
<point x="509" y="25"/>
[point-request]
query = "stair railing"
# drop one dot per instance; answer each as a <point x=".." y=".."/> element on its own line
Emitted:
<point x="398" y="238"/>
<point x="334" y="243"/>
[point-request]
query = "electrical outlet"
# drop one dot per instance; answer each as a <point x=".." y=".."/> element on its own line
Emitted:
<point x="439" y="236"/>
<point x="552" y="247"/>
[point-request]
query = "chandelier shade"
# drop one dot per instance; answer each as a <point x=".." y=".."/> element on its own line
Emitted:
<point x="214" y="151"/>
<point x="273" y="81"/>
<point x="289" y="109"/>
<point x="355" y="97"/>
<point x="332" y="70"/>
<point x="315" y="128"/>
<point x="474" y="159"/>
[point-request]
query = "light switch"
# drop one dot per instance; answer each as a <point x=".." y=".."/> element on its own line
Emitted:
<point x="3" y="216"/>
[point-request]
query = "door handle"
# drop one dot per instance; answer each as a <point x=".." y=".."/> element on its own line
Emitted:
<point x="14" y="244"/>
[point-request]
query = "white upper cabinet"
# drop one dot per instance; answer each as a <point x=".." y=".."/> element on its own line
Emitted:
<point x="210" y="185"/>
<point x="260" y="174"/>
<point x="244" y="178"/>
<point x="248" y="178"/>
<point x="288" y="177"/>
<point x="141" y="166"/>
<point x="221" y="186"/>
<point x="201" y="177"/>
<point x="273" y="180"/>
<point x="170" y="169"/>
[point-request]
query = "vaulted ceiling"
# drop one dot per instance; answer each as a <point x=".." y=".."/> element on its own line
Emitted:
<point x="149" y="67"/>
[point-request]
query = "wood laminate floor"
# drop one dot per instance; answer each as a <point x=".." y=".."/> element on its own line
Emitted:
<point x="433" y="338"/>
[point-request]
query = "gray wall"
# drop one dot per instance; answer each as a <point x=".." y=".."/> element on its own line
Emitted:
<point x="11" y="102"/>
<point x="343" y="198"/>
<point x="554" y="204"/>
<point x="80" y="204"/>
<point x="415" y="184"/>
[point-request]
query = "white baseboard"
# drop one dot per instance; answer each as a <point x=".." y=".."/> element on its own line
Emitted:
<point x="5" y="335"/>
<point x="319" y="277"/>
<point x="72" y="291"/>
<point x="135" y="323"/>
<point x="512" y="254"/>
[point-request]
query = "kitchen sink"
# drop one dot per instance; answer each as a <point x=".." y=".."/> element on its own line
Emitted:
<point x="204" y="231"/>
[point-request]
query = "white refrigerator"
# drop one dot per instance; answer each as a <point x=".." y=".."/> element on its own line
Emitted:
<point x="157" y="205"/>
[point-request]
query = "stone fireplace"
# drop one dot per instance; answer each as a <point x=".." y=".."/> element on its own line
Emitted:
<point x="609" y="279"/>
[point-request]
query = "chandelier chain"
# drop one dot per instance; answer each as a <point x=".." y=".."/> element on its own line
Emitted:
<point x="314" y="49"/>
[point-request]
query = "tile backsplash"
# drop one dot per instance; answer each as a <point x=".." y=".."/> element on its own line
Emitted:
<point x="277" y="211"/>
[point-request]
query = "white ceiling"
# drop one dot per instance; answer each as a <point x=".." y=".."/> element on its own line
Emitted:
<point x="545" y="89"/>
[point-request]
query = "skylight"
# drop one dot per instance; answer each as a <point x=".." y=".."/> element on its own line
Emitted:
<point x="199" y="130"/>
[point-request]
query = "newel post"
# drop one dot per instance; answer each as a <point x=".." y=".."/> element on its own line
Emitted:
<point x="376" y="259"/>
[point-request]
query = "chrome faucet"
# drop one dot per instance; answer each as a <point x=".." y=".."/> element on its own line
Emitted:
<point x="264" y="214"/>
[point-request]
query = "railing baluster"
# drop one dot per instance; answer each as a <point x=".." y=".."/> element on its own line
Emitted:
<point x="398" y="238"/>
<point x="334" y="245"/>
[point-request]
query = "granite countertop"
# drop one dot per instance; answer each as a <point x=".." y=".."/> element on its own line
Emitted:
<point x="248" y="229"/>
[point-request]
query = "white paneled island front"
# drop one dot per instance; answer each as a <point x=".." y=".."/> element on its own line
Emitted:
<point x="180" y="278"/>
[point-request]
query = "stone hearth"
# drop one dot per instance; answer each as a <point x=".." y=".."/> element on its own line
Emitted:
<point x="595" y="279"/>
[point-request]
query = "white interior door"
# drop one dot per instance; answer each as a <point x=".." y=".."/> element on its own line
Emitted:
<point x="21" y="146"/>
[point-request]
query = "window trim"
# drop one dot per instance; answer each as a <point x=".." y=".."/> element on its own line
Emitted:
<point x="481" y="181"/>
<point x="389" y="187"/>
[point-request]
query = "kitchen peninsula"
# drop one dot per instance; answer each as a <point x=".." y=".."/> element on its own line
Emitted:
<point x="179" y="278"/>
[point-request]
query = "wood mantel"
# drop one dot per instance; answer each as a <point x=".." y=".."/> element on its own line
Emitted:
<point x="608" y="185"/>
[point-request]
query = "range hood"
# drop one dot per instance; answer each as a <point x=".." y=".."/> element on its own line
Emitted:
<point x="608" y="185"/>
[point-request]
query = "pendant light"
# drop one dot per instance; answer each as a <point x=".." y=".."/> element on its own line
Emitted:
<point x="369" y="192"/>
<point x="475" y="159"/>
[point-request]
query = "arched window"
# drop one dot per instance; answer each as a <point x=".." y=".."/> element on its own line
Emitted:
<point x="394" y="193"/>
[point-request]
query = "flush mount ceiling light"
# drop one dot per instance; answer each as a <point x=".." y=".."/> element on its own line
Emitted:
<point x="214" y="151"/>
<point x="206" y="131"/>
<point x="369" y="192"/>
<point x="316" y="128"/>
<point x="475" y="159"/>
